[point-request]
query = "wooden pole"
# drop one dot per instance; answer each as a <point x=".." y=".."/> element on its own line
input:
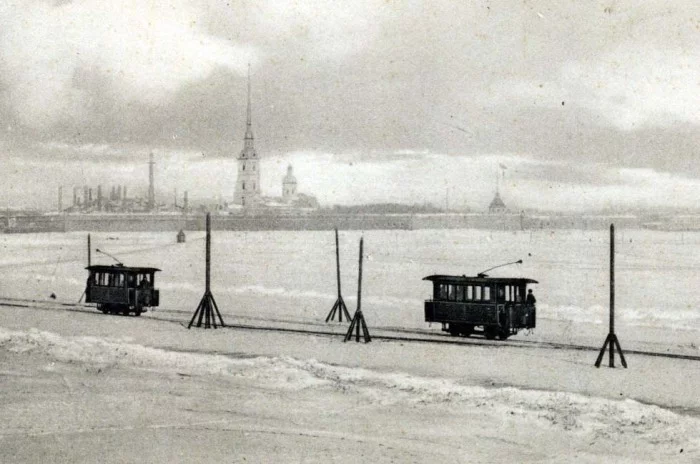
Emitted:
<point x="208" y="310"/>
<point x="337" y="262"/>
<point x="612" y="293"/>
<point x="339" y="305"/>
<point x="358" y="321"/>
<point x="208" y="255"/>
<point x="611" y="340"/>
<point x="89" y="252"/>
<point x="359" y="280"/>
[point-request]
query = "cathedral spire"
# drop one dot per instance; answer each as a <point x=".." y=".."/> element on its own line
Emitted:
<point x="248" y="182"/>
<point x="249" y="115"/>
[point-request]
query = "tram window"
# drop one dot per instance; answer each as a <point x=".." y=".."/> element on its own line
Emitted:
<point x="477" y="293"/>
<point x="487" y="293"/>
<point x="502" y="293"/>
<point x="143" y="279"/>
<point x="451" y="292"/>
<point x="470" y="292"/>
<point x="101" y="279"/>
<point x="459" y="293"/>
<point x="443" y="292"/>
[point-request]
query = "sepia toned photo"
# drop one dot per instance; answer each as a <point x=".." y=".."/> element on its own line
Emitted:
<point x="374" y="231"/>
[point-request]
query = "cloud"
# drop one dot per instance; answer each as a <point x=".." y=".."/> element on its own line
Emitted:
<point x="637" y="86"/>
<point x="324" y="29"/>
<point x="630" y="88"/>
<point x="136" y="51"/>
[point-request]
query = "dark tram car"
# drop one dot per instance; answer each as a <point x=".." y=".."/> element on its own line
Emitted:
<point x="122" y="290"/>
<point x="496" y="304"/>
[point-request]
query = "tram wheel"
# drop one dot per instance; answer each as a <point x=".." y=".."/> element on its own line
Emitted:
<point x="467" y="330"/>
<point x="490" y="333"/>
<point x="454" y="330"/>
<point x="503" y="335"/>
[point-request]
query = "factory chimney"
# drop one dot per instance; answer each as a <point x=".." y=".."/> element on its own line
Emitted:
<point x="151" y="184"/>
<point x="86" y="198"/>
<point x="119" y="193"/>
<point x="185" y="204"/>
<point x="89" y="190"/>
<point x="99" y="198"/>
<point x="75" y="196"/>
<point x="60" y="198"/>
<point x="124" y="193"/>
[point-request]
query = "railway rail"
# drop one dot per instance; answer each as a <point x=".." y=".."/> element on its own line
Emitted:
<point x="390" y="334"/>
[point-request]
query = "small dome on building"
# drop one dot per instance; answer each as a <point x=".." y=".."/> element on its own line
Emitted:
<point x="497" y="205"/>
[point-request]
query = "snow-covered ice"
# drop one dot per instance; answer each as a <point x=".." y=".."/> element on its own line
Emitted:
<point x="84" y="387"/>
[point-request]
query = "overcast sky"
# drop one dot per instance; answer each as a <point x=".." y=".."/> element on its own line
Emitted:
<point x="588" y="104"/>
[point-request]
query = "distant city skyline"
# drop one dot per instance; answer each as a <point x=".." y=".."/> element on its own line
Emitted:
<point x="588" y="106"/>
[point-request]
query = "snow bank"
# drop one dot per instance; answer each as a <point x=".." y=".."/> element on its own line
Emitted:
<point x="106" y="353"/>
<point x="574" y="413"/>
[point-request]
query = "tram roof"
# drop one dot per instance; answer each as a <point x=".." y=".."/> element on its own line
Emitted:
<point x="115" y="268"/>
<point x="448" y="279"/>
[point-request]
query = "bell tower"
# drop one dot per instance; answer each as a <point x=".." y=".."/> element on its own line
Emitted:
<point x="289" y="186"/>
<point x="248" y="181"/>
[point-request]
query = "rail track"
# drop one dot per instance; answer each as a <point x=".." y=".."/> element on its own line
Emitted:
<point x="390" y="334"/>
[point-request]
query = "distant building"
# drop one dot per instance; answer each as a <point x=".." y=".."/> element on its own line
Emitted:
<point x="289" y="186"/>
<point x="247" y="192"/>
<point x="497" y="206"/>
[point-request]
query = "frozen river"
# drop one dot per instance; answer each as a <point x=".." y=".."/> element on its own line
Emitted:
<point x="292" y="274"/>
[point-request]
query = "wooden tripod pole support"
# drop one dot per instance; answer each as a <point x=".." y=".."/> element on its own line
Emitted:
<point x="339" y="305"/>
<point x="207" y="308"/>
<point x="358" y="321"/>
<point x="611" y="340"/>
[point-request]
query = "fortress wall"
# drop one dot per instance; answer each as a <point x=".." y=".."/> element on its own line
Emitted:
<point x="314" y="221"/>
<point x="467" y="221"/>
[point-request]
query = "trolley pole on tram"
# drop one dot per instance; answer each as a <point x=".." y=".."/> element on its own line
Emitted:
<point x="611" y="340"/>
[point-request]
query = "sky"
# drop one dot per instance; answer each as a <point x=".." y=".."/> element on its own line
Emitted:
<point x="568" y="106"/>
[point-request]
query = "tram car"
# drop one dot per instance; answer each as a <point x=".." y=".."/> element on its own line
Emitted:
<point x="118" y="289"/>
<point x="493" y="306"/>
